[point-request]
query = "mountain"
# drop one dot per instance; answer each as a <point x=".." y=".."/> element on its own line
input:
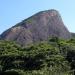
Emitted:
<point x="38" y="27"/>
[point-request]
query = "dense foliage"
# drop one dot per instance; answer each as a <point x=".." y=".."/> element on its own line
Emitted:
<point x="55" y="57"/>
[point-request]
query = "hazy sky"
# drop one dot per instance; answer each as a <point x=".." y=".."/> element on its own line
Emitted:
<point x="14" y="11"/>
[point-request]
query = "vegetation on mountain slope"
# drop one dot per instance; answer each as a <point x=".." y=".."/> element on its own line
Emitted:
<point x="55" y="57"/>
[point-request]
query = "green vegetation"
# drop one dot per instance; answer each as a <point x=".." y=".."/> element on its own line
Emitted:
<point x="55" y="57"/>
<point x="30" y="20"/>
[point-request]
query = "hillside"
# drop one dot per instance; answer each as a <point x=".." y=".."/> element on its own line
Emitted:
<point x="38" y="27"/>
<point x="55" y="57"/>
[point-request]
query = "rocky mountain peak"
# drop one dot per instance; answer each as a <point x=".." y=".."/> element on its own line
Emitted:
<point x="38" y="27"/>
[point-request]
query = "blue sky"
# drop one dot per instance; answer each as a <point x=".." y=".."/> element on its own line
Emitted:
<point x="14" y="11"/>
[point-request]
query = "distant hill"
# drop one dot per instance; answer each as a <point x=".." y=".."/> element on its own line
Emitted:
<point x="73" y="35"/>
<point x="38" y="27"/>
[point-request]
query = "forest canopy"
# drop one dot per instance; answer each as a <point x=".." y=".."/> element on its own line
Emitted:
<point x="53" y="57"/>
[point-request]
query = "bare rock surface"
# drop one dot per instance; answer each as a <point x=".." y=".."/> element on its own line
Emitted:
<point x="38" y="27"/>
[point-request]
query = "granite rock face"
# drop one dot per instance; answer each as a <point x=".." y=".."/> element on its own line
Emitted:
<point x="38" y="27"/>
